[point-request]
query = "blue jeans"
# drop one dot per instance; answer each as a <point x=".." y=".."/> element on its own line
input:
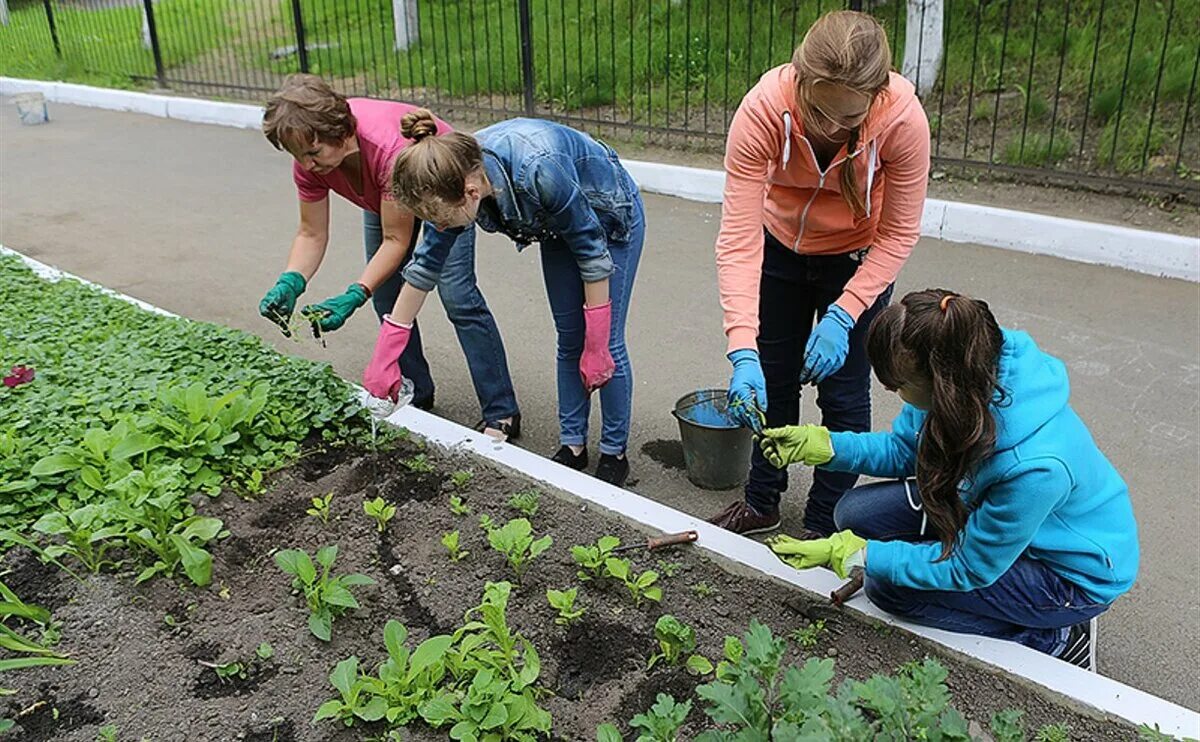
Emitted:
<point x="794" y="294"/>
<point x="1029" y="604"/>
<point x="564" y="288"/>
<point x="468" y="312"/>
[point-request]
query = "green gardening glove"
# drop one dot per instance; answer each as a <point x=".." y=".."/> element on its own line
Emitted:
<point x="797" y="444"/>
<point x="333" y="312"/>
<point x="841" y="552"/>
<point x="280" y="301"/>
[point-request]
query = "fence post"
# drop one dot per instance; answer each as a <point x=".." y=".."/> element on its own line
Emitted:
<point x="155" y="48"/>
<point x="404" y="23"/>
<point x="525" y="21"/>
<point x="301" y="49"/>
<point x="53" y="28"/>
<point x="3" y="12"/>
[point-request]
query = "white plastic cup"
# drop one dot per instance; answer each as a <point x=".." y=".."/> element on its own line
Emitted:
<point x="31" y="107"/>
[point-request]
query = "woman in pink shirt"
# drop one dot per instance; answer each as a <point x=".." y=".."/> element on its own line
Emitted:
<point x="348" y="146"/>
<point x="826" y="165"/>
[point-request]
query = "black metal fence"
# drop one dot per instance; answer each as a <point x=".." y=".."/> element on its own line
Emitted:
<point x="1099" y="92"/>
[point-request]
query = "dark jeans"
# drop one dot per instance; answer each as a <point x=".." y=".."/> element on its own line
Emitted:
<point x="1029" y="604"/>
<point x="795" y="292"/>
<point x="468" y="313"/>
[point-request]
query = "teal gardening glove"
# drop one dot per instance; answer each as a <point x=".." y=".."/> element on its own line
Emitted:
<point x="334" y="311"/>
<point x="280" y="301"/>
<point x="828" y="346"/>
<point x="810" y="445"/>
<point x="747" y="389"/>
<point x="841" y="552"/>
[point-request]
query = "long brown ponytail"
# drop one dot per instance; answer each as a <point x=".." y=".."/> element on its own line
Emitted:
<point x="951" y="342"/>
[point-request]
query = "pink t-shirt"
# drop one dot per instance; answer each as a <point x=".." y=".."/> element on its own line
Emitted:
<point x="379" y="141"/>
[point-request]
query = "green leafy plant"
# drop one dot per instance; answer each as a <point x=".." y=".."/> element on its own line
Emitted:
<point x="458" y="506"/>
<point x="241" y="669"/>
<point x="608" y="732"/>
<point x="809" y="636"/>
<point x="515" y="541"/>
<point x="450" y="541"/>
<point x="703" y="590"/>
<point x="107" y="733"/>
<point x="88" y="533"/>
<point x="669" y="569"/>
<point x="461" y="478"/>
<point x="490" y="709"/>
<point x="26" y="652"/>
<point x="526" y="502"/>
<point x="321" y="508"/>
<point x="663" y="721"/>
<point x="407" y="680"/>
<point x="354" y="703"/>
<point x="418" y="464"/>
<point x="677" y="643"/>
<point x="380" y="510"/>
<point x="640" y="586"/>
<point x="563" y="601"/>
<point x="486" y="523"/>
<point x="590" y="559"/>
<point x="327" y="597"/>
<point x="1008" y="726"/>
<point x="1053" y="733"/>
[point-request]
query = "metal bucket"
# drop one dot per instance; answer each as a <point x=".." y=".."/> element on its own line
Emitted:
<point x="716" y="448"/>
<point x="31" y="107"/>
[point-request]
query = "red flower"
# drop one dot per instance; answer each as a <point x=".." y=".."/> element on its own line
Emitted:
<point x="19" y="375"/>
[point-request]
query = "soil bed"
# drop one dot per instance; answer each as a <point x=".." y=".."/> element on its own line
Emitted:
<point x="140" y="649"/>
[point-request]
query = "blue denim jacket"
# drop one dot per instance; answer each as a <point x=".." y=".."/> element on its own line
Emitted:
<point x="549" y="182"/>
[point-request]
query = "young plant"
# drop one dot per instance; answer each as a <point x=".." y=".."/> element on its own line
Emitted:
<point x="641" y="587"/>
<point x="515" y="541"/>
<point x="239" y="669"/>
<point x="703" y="590"/>
<point x="677" y="641"/>
<point x="87" y="532"/>
<point x="563" y="601"/>
<point x="1059" y="732"/>
<point x="662" y="722"/>
<point x="458" y="506"/>
<point x="809" y="636"/>
<point x="525" y="502"/>
<point x="355" y="702"/>
<point x="669" y="569"/>
<point x="407" y="680"/>
<point x="327" y="597"/>
<point x="418" y="464"/>
<point x="380" y="510"/>
<point x="450" y="541"/>
<point x="461" y="478"/>
<point x="486" y="523"/>
<point x="1008" y="726"/>
<point x="491" y="709"/>
<point x="321" y="507"/>
<point x="107" y="733"/>
<point x="591" y="558"/>
<point x="23" y="652"/>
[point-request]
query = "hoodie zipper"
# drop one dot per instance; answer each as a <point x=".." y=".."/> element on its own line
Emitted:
<point x="820" y="184"/>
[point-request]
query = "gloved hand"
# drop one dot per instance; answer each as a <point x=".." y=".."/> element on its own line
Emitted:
<point x="840" y="552"/>
<point x="334" y="311"/>
<point x="596" y="365"/>
<point x="280" y="301"/>
<point x="382" y="375"/>
<point x="827" y="346"/>
<point x="747" y="389"/>
<point x="797" y="444"/>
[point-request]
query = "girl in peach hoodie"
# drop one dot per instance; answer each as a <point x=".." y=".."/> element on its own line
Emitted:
<point x="826" y="165"/>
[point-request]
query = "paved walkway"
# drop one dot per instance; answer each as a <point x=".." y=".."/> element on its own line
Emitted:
<point x="198" y="219"/>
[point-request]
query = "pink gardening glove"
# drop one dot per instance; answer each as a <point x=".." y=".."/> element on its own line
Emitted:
<point x="596" y="364"/>
<point x="382" y="375"/>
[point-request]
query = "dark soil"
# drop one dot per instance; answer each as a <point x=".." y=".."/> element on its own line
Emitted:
<point x="141" y="671"/>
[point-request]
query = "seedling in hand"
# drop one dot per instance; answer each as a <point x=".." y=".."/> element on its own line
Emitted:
<point x="450" y="541"/>
<point x="515" y="541"/>
<point x="321" y="508"/>
<point x="380" y="510"/>
<point x="591" y="558"/>
<point x="327" y="597"/>
<point x="563" y="601"/>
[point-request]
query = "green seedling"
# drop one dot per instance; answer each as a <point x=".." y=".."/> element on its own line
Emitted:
<point x="703" y="590"/>
<point x="407" y="680"/>
<point x="418" y="464"/>
<point x="669" y="569"/>
<point x="515" y="541"/>
<point x="526" y="502"/>
<point x="107" y="733"/>
<point x="355" y="702"/>
<point x="327" y="597"/>
<point x="608" y="732"/>
<point x="641" y="587"/>
<point x="809" y="636"/>
<point x="229" y="670"/>
<point x="321" y="507"/>
<point x="1008" y="726"/>
<point x="563" y="601"/>
<point x="264" y="651"/>
<point x="486" y="523"/>
<point x="458" y="506"/>
<point x="450" y="541"/>
<point x="491" y="709"/>
<point x="591" y="558"/>
<point x="88" y="532"/>
<point x="1059" y="732"/>
<point x="461" y="478"/>
<point x="677" y="643"/>
<point x="662" y="722"/>
<point x="380" y="510"/>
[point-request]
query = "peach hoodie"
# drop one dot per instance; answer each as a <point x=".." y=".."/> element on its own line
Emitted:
<point x="772" y="180"/>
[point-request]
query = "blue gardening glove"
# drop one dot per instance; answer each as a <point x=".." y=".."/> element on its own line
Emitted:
<point x="747" y="389"/>
<point x="333" y="312"/>
<point x="827" y="346"/>
<point x="280" y="301"/>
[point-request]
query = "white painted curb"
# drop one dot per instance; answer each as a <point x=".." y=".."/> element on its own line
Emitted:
<point x="1156" y="253"/>
<point x="1103" y="694"/>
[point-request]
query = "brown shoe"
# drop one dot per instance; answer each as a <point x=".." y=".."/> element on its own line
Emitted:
<point x="741" y="518"/>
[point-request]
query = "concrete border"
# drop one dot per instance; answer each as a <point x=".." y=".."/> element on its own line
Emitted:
<point x="1155" y="253"/>
<point x="1101" y="694"/>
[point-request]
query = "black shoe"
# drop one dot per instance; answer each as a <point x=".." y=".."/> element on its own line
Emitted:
<point x="423" y="403"/>
<point x="511" y="431"/>
<point x="1081" y="646"/>
<point x="569" y="458"/>
<point x="613" y="469"/>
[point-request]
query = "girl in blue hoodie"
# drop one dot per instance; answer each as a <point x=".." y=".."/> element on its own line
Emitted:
<point x="1002" y="518"/>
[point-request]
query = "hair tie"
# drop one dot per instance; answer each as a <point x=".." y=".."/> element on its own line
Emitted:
<point x="945" y="304"/>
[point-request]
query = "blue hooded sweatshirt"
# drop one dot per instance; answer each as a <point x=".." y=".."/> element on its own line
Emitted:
<point x="1046" y="492"/>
